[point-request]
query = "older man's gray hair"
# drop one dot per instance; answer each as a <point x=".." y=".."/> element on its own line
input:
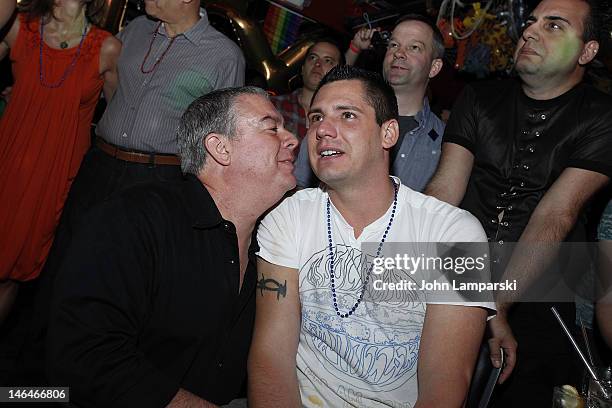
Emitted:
<point x="211" y="113"/>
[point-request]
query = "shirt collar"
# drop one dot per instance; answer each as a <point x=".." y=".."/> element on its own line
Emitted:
<point x="550" y="103"/>
<point x="204" y="212"/>
<point x="195" y="33"/>
<point x="200" y="205"/>
<point x="422" y="116"/>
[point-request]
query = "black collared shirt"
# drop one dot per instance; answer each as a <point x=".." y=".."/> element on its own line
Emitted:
<point x="148" y="301"/>
<point x="522" y="145"/>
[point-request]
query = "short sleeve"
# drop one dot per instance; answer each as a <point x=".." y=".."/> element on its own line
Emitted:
<point x="464" y="228"/>
<point x="468" y="247"/>
<point x="593" y="150"/>
<point x="277" y="235"/>
<point x="461" y="128"/>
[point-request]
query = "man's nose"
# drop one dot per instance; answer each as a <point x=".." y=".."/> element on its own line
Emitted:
<point x="399" y="53"/>
<point x="325" y="128"/>
<point x="290" y="141"/>
<point x="530" y="33"/>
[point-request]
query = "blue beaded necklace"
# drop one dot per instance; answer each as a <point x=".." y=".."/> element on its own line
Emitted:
<point x="68" y="70"/>
<point x="331" y="255"/>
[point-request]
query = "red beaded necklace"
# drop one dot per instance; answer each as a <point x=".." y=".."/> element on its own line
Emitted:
<point x="161" y="57"/>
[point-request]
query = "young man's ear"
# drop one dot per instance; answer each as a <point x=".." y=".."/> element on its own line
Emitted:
<point x="589" y="51"/>
<point x="218" y="148"/>
<point x="436" y="67"/>
<point x="389" y="133"/>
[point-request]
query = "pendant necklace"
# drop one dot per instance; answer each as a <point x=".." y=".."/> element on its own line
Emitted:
<point x="331" y="256"/>
<point x="161" y="57"/>
<point x="63" y="45"/>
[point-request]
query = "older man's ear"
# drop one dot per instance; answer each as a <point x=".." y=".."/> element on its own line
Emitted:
<point x="218" y="148"/>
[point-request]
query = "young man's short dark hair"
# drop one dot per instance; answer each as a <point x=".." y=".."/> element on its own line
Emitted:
<point x="378" y="92"/>
<point x="592" y="29"/>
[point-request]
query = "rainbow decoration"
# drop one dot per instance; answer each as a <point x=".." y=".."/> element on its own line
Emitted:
<point x="281" y="27"/>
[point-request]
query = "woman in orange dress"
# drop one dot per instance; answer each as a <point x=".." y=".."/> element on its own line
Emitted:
<point x="60" y="61"/>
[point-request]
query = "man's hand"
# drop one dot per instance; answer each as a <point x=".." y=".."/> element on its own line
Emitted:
<point x="185" y="399"/>
<point x="502" y="337"/>
<point x="549" y="224"/>
<point x="362" y="39"/>
<point x="360" y="42"/>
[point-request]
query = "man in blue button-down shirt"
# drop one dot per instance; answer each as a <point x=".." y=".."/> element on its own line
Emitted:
<point x="414" y="55"/>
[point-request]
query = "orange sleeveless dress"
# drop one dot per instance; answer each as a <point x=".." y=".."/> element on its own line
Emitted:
<point x="44" y="134"/>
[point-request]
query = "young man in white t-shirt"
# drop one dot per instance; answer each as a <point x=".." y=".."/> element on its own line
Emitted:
<point x="324" y="336"/>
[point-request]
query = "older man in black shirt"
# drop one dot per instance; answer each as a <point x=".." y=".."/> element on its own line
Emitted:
<point x="154" y="305"/>
<point x="525" y="157"/>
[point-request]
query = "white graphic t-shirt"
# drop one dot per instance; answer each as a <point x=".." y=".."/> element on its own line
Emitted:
<point x="370" y="358"/>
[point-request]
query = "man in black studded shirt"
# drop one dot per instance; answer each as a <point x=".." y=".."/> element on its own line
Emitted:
<point x="525" y="157"/>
